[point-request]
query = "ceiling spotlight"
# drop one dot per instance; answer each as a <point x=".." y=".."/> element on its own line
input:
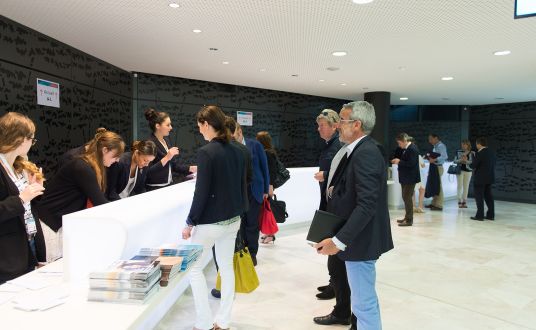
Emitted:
<point x="321" y="80"/>
<point x="343" y="84"/>
<point x="262" y="70"/>
<point x="447" y="78"/>
<point x="196" y="31"/>
<point x="294" y="75"/>
<point x="332" y="68"/>
<point x="224" y="62"/>
<point x="213" y="49"/>
<point x="362" y="2"/>
<point x="339" y="53"/>
<point x="402" y="68"/>
<point x="174" y="5"/>
<point x="502" y="53"/>
<point x="403" y="99"/>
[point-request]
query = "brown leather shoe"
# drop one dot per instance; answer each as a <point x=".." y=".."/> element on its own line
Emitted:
<point x="405" y="223"/>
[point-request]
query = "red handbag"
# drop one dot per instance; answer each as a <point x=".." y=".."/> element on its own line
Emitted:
<point x="267" y="223"/>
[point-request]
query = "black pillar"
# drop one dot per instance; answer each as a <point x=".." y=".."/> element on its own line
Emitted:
<point x="382" y="104"/>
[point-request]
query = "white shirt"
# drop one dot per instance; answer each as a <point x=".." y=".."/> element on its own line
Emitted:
<point x="349" y="149"/>
<point x="130" y="185"/>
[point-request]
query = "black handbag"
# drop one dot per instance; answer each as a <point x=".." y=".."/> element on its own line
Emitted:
<point x="455" y="169"/>
<point x="282" y="175"/>
<point x="279" y="209"/>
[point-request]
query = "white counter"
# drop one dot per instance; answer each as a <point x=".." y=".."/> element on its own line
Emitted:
<point x="96" y="237"/>
<point x="394" y="190"/>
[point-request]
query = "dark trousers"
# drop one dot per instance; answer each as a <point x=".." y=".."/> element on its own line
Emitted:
<point x="249" y="228"/>
<point x="408" y="190"/>
<point x="483" y="193"/>
<point x="339" y="282"/>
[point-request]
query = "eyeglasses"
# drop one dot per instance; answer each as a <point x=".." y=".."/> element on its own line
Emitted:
<point x="34" y="140"/>
<point x="348" y="120"/>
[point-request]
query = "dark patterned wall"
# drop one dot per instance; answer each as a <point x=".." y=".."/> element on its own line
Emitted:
<point x="510" y="129"/>
<point x="290" y="118"/>
<point x="93" y="93"/>
<point x="450" y="133"/>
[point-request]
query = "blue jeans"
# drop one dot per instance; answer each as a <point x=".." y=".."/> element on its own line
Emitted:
<point x="362" y="280"/>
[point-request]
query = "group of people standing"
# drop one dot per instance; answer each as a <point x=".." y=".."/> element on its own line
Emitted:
<point x="466" y="163"/>
<point x="353" y="186"/>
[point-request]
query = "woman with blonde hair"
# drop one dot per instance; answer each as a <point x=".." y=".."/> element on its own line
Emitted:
<point x="81" y="182"/>
<point x="20" y="183"/>
<point x="464" y="158"/>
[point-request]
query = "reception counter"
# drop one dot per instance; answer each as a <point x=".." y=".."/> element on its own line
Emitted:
<point x="394" y="190"/>
<point x="96" y="237"/>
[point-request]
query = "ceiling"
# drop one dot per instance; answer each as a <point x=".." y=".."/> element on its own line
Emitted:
<point x="401" y="46"/>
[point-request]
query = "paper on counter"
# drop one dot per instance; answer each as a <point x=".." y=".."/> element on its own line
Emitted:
<point x="5" y="297"/>
<point x="41" y="300"/>
<point x="29" y="283"/>
<point x="11" y="288"/>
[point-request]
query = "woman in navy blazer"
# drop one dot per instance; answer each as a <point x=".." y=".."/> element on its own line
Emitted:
<point x="161" y="169"/>
<point x="218" y="202"/>
<point x="127" y="177"/>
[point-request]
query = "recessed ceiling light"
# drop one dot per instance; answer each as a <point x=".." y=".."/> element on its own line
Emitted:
<point x="402" y="68"/>
<point x="339" y="53"/>
<point x="343" y="84"/>
<point x="447" y="78"/>
<point x="403" y="99"/>
<point x="362" y="2"/>
<point x="174" y="5"/>
<point x="321" y="80"/>
<point x="294" y="75"/>
<point x="196" y="31"/>
<point x="213" y="49"/>
<point x="502" y="52"/>
<point x="262" y="70"/>
<point x="224" y="62"/>
<point x="332" y="68"/>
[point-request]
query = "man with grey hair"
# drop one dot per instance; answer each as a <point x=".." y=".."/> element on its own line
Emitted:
<point x="358" y="193"/>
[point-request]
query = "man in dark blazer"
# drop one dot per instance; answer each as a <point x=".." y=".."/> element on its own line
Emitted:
<point x="257" y="191"/>
<point x="408" y="175"/>
<point x="483" y="177"/>
<point x="358" y="193"/>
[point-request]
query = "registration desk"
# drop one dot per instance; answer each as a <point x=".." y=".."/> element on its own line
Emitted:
<point x="394" y="190"/>
<point x="96" y="237"/>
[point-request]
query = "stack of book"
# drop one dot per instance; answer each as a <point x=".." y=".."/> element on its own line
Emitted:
<point x="126" y="281"/>
<point x="189" y="253"/>
<point x="170" y="267"/>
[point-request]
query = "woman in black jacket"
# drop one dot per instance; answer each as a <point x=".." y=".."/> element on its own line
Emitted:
<point x="266" y="140"/>
<point x="219" y="200"/>
<point x="81" y="182"/>
<point x="20" y="183"/>
<point x="165" y="164"/>
<point x="127" y="177"/>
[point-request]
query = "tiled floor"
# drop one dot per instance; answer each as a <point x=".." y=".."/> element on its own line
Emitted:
<point x="446" y="272"/>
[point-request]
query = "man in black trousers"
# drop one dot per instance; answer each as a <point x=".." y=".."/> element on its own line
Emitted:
<point x="408" y="175"/>
<point x="484" y="176"/>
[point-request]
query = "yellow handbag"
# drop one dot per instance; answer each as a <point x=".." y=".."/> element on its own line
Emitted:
<point x="246" y="279"/>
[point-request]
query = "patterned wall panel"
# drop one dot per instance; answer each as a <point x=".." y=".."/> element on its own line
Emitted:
<point x="289" y="117"/>
<point x="449" y="132"/>
<point x="92" y="93"/>
<point x="511" y="134"/>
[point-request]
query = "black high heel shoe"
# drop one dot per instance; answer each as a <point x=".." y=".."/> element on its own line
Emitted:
<point x="269" y="239"/>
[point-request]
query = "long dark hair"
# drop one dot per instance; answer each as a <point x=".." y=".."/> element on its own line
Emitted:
<point x="266" y="140"/>
<point x="155" y="117"/>
<point x="145" y="148"/>
<point x="214" y="116"/>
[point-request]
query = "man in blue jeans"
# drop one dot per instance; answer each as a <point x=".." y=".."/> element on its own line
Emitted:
<point x="358" y="193"/>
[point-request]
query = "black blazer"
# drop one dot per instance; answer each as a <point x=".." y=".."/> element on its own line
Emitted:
<point x="271" y="157"/>
<point x="329" y="150"/>
<point x="484" y="167"/>
<point x="118" y="175"/>
<point x="68" y="192"/>
<point x="408" y="168"/>
<point x="16" y="258"/>
<point x="158" y="174"/>
<point x="220" y="191"/>
<point x="361" y="197"/>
